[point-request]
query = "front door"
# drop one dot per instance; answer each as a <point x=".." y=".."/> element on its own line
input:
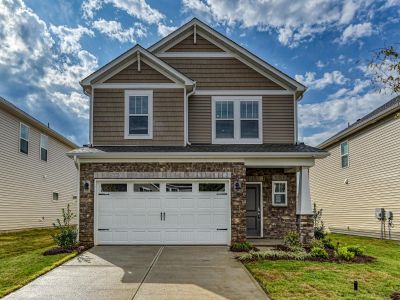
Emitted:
<point x="253" y="210"/>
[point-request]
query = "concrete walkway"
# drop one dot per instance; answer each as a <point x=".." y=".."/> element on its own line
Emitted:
<point x="146" y="272"/>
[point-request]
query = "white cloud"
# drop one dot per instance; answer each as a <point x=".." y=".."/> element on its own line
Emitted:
<point x="334" y="114"/>
<point x="320" y="64"/>
<point x="329" y="78"/>
<point x="114" y="30"/>
<point x="295" y="21"/>
<point x="69" y="37"/>
<point x="138" y="9"/>
<point x="355" y="32"/>
<point x="44" y="62"/>
<point x="164" y="30"/>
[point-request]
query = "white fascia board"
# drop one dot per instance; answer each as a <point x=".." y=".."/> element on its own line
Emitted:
<point x="232" y="44"/>
<point x="242" y="92"/>
<point x="249" y="162"/>
<point x="216" y="155"/>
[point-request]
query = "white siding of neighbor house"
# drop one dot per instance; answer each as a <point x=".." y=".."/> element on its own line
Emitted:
<point x="373" y="181"/>
<point x="27" y="183"/>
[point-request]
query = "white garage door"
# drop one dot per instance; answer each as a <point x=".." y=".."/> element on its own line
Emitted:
<point x="157" y="212"/>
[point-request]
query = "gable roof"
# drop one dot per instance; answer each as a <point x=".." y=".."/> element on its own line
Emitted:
<point x="173" y="73"/>
<point x="234" y="48"/>
<point x="20" y="114"/>
<point x="374" y="116"/>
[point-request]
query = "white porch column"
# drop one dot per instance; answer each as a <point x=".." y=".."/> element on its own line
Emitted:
<point x="304" y="206"/>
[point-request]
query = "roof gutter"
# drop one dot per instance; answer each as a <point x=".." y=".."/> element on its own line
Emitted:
<point x="227" y="155"/>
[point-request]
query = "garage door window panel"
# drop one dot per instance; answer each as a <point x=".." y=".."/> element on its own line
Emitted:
<point x="114" y="187"/>
<point x="211" y="187"/>
<point x="179" y="187"/>
<point x="146" y="187"/>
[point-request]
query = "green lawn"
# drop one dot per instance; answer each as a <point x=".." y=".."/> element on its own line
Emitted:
<point x="21" y="258"/>
<point x="313" y="280"/>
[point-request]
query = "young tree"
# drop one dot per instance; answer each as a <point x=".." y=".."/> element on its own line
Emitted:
<point x="385" y="66"/>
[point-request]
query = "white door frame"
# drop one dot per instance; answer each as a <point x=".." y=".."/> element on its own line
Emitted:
<point x="95" y="203"/>
<point x="261" y="206"/>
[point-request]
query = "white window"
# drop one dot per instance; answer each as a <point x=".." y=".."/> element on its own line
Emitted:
<point x="44" y="142"/>
<point x="279" y="193"/>
<point x="344" y="154"/>
<point x="23" y="138"/>
<point x="236" y="120"/>
<point x="138" y="114"/>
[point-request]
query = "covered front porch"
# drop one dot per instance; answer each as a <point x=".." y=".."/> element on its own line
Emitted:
<point x="277" y="201"/>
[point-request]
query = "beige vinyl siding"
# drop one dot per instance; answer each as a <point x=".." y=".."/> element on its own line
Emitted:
<point x="168" y="115"/>
<point x="373" y="180"/>
<point x="221" y="73"/>
<point x="200" y="119"/>
<point x="131" y="75"/>
<point x="278" y="119"/>
<point x="27" y="183"/>
<point x="188" y="45"/>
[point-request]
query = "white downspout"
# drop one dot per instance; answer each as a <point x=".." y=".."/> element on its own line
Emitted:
<point x="78" y="199"/>
<point x="187" y="142"/>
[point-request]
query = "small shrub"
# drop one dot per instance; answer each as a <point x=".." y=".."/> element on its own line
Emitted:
<point x="242" y="247"/>
<point x="292" y="239"/>
<point x="317" y="243"/>
<point x="67" y="234"/>
<point x="319" y="252"/>
<point x="319" y="233"/>
<point x="344" y="253"/>
<point x="357" y="250"/>
<point x="328" y="243"/>
<point x="274" y="254"/>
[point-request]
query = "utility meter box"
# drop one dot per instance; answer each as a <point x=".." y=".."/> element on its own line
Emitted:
<point x="380" y="213"/>
<point x="389" y="215"/>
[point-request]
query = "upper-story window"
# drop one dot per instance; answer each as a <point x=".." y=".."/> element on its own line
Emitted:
<point x="138" y="114"/>
<point x="44" y="143"/>
<point x="23" y="138"/>
<point x="236" y="120"/>
<point x="344" y="154"/>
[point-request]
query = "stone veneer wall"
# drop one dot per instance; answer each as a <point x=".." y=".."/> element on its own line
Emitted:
<point x="277" y="220"/>
<point x="238" y="196"/>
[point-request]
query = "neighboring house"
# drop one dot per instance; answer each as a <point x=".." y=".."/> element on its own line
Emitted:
<point x="193" y="141"/>
<point x="37" y="178"/>
<point x="361" y="174"/>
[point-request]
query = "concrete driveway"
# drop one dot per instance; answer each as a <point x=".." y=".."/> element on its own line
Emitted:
<point x="146" y="272"/>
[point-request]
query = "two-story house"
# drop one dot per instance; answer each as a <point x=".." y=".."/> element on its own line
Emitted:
<point x="361" y="175"/>
<point x="193" y="141"/>
<point x="37" y="178"/>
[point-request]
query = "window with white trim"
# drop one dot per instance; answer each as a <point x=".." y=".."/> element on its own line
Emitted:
<point x="23" y="138"/>
<point x="279" y="193"/>
<point x="138" y="114"/>
<point x="236" y="120"/>
<point x="344" y="154"/>
<point x="44" y="143"/>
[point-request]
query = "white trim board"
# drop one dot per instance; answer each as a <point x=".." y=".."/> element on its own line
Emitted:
<point x="242" y="92"/>
<point x="195" y="54"/>
<point x="138" y="86"/>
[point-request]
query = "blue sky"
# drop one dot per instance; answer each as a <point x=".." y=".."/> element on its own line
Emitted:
<point x="48" y="46"/>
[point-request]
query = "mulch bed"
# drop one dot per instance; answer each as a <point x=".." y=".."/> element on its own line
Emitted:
<point x="60" y="250"/>
<point x="395" y="296"/>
